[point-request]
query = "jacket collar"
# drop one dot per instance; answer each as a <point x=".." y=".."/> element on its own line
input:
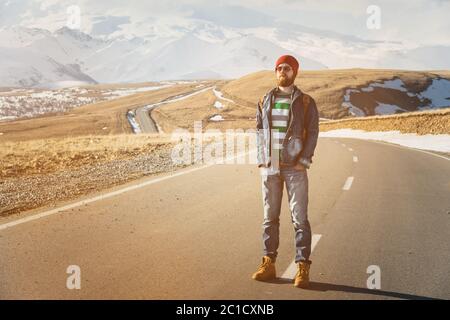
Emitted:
<point x="297" y="92"/>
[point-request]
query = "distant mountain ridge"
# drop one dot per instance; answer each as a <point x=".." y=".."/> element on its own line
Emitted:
<point x="37" y="57"/>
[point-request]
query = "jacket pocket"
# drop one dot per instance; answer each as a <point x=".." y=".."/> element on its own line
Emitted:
<point x="291" y="150"/>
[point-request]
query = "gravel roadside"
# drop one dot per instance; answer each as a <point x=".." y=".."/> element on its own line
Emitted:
<point x="32" y="191"/>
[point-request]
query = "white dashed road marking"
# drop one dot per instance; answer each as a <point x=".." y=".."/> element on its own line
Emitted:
<point x="348" y="183"/>
<point x="292" y="269"/>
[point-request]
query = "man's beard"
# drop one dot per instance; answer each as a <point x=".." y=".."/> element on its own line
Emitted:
<point x="285" y="81"/>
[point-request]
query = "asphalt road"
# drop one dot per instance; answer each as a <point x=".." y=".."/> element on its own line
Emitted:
<point x="143" y="114"/>
<point x="146" y="123"/>
<point x="197" y="235"/>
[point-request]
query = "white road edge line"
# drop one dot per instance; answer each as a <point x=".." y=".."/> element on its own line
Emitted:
<point x="292" y="269"/>
<point x="348" y="183"/>
<point x="355" y="159"/>
<point x="398" y="146"/>
<point x="409" y="148"/>
<point x="110" y="194"/>
<point x="96" y="198"/>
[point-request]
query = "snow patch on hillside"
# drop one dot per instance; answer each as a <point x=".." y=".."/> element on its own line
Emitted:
<point x="438" y="93"/>
<point x="384" y="108"/>
<point x="216" y="117"/>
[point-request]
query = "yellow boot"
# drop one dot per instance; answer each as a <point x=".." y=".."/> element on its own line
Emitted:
<point x="266" y="270"/>
<point x="302" y="277"/>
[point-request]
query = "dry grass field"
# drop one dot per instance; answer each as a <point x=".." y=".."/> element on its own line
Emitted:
<point x="35" y="173"/>
<point x="41" y="156"/>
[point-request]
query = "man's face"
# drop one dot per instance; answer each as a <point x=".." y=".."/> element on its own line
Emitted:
<point x="285" y="75"/>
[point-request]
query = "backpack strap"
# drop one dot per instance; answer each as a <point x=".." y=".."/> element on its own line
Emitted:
<point x="306" y="101"/>
<point x="260" y="102"/>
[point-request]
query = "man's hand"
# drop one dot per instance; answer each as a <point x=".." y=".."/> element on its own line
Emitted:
<point x="304" y="162"/>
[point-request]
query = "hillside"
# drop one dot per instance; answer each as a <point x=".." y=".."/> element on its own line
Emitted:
<point x="102" y="118"/>
<point x="339" y="94"/>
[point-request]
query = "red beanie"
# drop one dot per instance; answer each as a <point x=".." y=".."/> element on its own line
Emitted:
<point x="290" y="60"/>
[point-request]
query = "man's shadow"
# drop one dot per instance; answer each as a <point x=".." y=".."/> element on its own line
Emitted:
<point x="320" y="286"/>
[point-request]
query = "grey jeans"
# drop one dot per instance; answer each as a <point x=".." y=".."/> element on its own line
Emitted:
<point x="297" y="189"/>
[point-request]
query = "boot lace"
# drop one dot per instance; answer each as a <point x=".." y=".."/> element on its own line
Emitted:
<point x="302" y="271"/>
<point x="264" y="264"/>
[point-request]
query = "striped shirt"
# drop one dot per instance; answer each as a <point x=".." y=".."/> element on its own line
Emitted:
<point x="280" y="117"/>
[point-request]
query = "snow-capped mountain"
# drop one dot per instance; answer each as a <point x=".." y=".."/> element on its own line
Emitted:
<point x="195" y="49"/>
<point x="25" y="67"/>
<point x="35" y="57"/>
